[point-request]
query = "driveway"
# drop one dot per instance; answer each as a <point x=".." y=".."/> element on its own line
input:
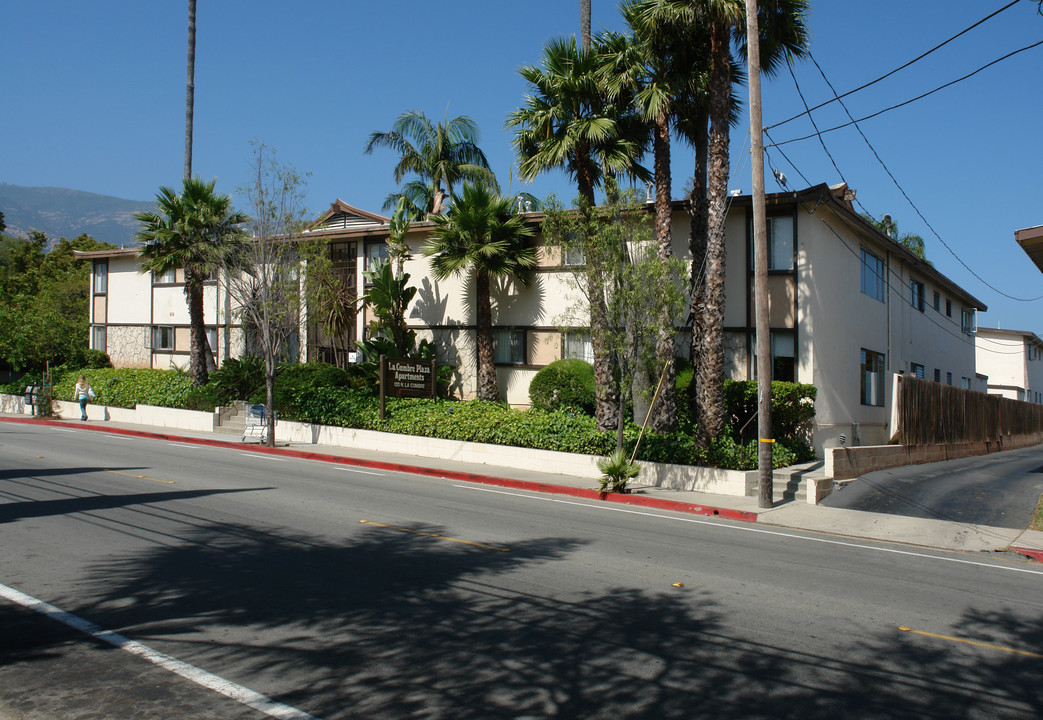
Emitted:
<point x="999" y="490"/>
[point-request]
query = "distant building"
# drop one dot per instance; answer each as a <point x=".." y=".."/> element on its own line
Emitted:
<point x="1013" y="361"/>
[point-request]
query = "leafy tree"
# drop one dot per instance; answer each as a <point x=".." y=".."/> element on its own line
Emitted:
<point x="440" y="155"/>
<point x="263" y="272"/>
<point x="638" y="284"/>
<point x="191" y="232"/>
<point x="568" y="122"/>
<point x="910" y="241"/>
<point x="482" y="236"/>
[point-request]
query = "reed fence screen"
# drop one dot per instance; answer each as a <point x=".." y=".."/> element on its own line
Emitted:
<point x="930" y="413"/>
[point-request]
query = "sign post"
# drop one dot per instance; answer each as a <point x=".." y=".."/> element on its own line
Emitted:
<point x="402" y="377"/>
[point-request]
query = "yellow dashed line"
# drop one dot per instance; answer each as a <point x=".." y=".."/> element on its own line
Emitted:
<point x="970" y="642"/>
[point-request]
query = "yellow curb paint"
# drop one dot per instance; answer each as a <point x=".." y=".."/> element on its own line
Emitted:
<point x="970" y="642"/>
<point x="142" y="477"/>
<point x="435" y="535"/>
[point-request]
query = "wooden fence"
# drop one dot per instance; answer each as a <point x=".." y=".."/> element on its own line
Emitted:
<point x="930" y="413"/>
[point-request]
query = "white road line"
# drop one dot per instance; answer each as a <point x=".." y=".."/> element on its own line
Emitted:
<point x="64" y="430"/>
<point x="264" y="457"/>
<point x="210" y="681"/>
<point x="749" y="529"/>
<point x="117" y="437"/>
<point x="190" y="447"/>
<point x="364" y="472"/>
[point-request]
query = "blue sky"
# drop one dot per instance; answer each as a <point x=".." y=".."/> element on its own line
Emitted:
<point x="94" y="99"/>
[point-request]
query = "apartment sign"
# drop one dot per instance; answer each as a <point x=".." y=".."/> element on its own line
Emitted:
<point x="401" y="377"/>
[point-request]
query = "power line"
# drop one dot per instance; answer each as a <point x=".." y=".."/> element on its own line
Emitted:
<point x="912" y="100"/>
<point x="898" y="185"/>
<point x="808" y="111"/>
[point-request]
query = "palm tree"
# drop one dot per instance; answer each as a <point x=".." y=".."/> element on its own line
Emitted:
<point x="190" y="233"/>
<point x="569" y="123"/>
<point x="483" y="236"/>
<point x="440" y="155"/>
<point x="718" y="25"/>
<point x="190" y="87"/>
<point x="584" y="23"/>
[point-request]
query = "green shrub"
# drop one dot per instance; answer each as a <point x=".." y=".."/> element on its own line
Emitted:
<point x="616" y="471"/>
<point x="564" y="384"/>
<point x="296" y="379"/>
<point x="792" y="408"/>
<point x="237" y="379"/>
<point x="202" y="398"/>
<point x="127" y="387"/>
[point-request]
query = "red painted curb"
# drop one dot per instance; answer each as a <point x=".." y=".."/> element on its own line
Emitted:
<point x="584" y="493"/>
<point x="1036" y="555"/>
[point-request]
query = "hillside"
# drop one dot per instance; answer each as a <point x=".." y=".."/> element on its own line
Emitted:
<point x="60" y="212"/>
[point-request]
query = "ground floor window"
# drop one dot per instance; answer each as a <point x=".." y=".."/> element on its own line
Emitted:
<point x="578" y="346"/>
<point x="917" y="370"/>
<point x="509" y="347"/>
<point x="783" y="356"/>
<point x="163" y="337"/>
<point x="98" y="338"/>
<point x="872" y="378"/>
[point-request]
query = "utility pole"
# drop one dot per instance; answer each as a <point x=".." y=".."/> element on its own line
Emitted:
<point x="765" y="496"/>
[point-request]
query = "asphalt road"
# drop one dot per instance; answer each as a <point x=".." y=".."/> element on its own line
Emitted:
<point x="998" y="490"/>
<point x="342" y="593"/>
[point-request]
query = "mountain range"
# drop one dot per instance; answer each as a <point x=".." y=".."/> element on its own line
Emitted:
<point x="61" y="212"/>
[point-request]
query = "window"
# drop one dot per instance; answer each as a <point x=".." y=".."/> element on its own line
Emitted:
<point x="965" y="383"/>
<point x="101" y="276"/>
<point x="162" y="337"/>
<point x="780" y="243"/>
<point x="376" y="255"/>
<point x="578" y="346"/>
<point x="948" y="307"/>
<point x="872" y="275"/>
<point x="572" y="256"/>
<point x="509" y="347"/>
<point x="98" y="338"/>
<point x="917" y="370"/>
<point x="166" y="278"/>
<point x="967" y="322"/>
<point x="937" y="375"/>
<point x="937" y="301"/>
<point x="916" y="294"/>
<point x="211" y="338"/>
<point x="948" y="378"/>
<point x="872" y="378"/>
<point x="783" y="357"/>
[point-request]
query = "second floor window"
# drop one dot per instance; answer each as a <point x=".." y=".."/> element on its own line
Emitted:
<point x="916" y="294"/>
<point x="101" y="276"/>
<point x="165" y="278"/>
<point x="872" y="275"/>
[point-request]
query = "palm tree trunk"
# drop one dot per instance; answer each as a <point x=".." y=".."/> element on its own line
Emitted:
<point x="190" y="87"/>
<point x="711" y="346"/>
<point x="664" y="414"/>
<point x="584" y="23"/>
<point x="488" y="389"/>
<point x="697" y="250"/>
<point x="197" y="369"/>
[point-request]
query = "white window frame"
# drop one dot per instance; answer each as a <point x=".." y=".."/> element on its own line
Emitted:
<point x="577" y="344"/>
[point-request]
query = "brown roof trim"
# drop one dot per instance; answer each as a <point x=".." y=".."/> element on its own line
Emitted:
<point x="339" y="206"/>
<point x="117" y="252"/>
<point x="1031" y="241"/>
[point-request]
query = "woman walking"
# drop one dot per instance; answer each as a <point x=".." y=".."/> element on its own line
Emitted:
<point x="82" y="393"/>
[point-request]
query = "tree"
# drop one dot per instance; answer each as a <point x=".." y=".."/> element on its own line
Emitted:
<point x="717" y="25"/>
<point x="190" y="87"/>
<point x="482" y="236"/>
<point x="190" y="233"/>
<point x="440" y="155"/>
<point x="584" y="23"/>
<point x="910" y="241"/>
<point x="639" y="283"/>
<point x="264" y="271"/>
<point x="569" y="123"/>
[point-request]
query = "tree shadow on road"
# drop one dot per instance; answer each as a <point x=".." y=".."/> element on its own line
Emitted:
<point x="390" y="624"/>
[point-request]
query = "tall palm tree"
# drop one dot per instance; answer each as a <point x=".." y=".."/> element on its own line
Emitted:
<point x="482" y="236"/>
<point x="569" y="123"/>
<point x="190" y="87"/>
<point x="720" y="26"/>
<point x="647" y="64"/>
<point x="584" y="23"/>
<point x="441" y="155"/>
<point x="190" y="233"/>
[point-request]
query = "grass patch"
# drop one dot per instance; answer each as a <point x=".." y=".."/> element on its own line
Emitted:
<point x="1037" y="520"/>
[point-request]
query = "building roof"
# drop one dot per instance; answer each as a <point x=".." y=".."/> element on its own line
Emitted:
<point x="115" y="252"/>
<point x="1031" y="241"/>
<point x="1028" y="335"/>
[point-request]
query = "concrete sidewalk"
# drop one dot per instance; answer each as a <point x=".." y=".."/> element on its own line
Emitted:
<point x="787" y="514"/>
